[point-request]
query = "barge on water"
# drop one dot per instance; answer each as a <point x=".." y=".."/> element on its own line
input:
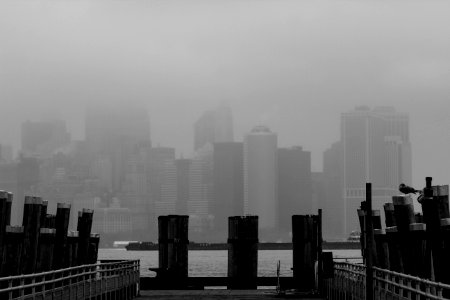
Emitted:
<point x="150" y="246"/>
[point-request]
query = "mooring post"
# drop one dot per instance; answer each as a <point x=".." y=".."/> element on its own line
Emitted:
<point x="94" y="241"/>
<point x="31" y="225"/>
<point x="177" y="239"/>
<point x="8" y="208"/>
<point x="382" y="247"/>
<point x="445" y="261"/>
<point x="242" y="252"/>
<point x="319" y="250"/>
<point x="389" y="215"/>
<point x="45" y="251"/>
<point x="84" y="234"/>
<point x="432" y="219"/>
<point x="12" y="250"/>
<point x="62" y="226"/>
<point x="3" y="218"/>
<point x="44" y="207"/>
<point x="50" y="221"/>
<point x="72" y="249"/>
<point x="162" y="245"/>
<point x="304" y="250"/>
<point x="362" y="226"/>
<point x="404" y="216"/>
<point x="395" y="255"/>
<point x="369" y="242"/>
<point x="417" y="247"/>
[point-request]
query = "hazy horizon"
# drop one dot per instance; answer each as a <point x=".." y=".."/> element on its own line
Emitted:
<point x="292" y="65"/>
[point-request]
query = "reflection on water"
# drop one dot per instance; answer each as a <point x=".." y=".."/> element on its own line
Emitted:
<point x="215" y="263"/>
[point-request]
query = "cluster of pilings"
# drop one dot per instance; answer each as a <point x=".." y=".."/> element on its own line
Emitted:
<point x="44" y="242"/>
<point x="242" y="251"/>
<point x="411" y="243"/>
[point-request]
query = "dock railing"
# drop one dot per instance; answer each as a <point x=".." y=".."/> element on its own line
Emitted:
<point x="116" y="279"/>
<point x="349" y="283"/>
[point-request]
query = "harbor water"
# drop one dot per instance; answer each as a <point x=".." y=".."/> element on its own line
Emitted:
<point x="204" y="263"/>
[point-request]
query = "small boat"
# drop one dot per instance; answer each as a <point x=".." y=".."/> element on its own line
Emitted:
<point x="354" y="236"/>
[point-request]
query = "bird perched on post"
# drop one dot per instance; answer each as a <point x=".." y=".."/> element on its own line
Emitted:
<point x="407" y="189"/>
<point x="410" y="190"/>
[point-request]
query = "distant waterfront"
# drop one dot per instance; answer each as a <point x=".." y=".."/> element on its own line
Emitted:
<point x="214" y="263"/>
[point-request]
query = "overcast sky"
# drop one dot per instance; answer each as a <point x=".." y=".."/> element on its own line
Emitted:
<point x="292" y="65"/>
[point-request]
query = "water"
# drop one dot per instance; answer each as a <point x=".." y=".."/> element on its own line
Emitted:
<point x="214" y="263"/>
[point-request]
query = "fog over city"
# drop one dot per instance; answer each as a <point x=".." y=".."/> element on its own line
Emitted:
<point x="293" y="66"/>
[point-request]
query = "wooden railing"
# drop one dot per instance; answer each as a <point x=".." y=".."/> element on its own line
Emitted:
<point x="116" y="279"/>
<point x="349" y="283"/>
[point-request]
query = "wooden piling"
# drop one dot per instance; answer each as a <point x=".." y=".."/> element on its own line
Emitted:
<point x="3" y="218"/>
<point x="404" y="216"/>
<point x="445" y="258"/>
<point x="389" y="215"/>
<point x="369" y="252"/>
<point x="44" y="213"/>
<point x="8" y="208"/>
<point x="93" y="248"/>
<point x="162" y="244"/>
<point x="31" y="225"/>
<point x="72" y="249"/>
<point x="395" y="256"/>
<point x="84" y="233"/>
<point x="382" y="249"/>
<point x="11" y="260"/>
<point x="440" y="194"/>
<point x="420" y="263"/>
<point x="304" y="250"/>
<point x="242" y="252"/>
<point x="45" y="249"/>
<point x="432" y="218"/>
<point x="62" y="226"/>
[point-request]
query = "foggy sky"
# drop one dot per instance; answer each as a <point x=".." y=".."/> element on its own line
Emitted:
<point x="292" y="65"/>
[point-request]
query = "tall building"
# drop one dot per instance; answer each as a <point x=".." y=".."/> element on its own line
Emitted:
<point x="112" y="136"/>
<point x="332" y="201"/>
<point x="261" y="176"/>
<point x="42" y="139"/>
<point x="201" y="189"/>
<point x="228" y="183"/>
<point x="183" y="166"/>
<point x="213" y="126"/>
<point x="376" y="149"/>
<point x="163" y="181"/>
<point x="294" y="185"/>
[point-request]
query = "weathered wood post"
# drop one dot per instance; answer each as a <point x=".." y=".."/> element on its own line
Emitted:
<point x="43" y="213"/>
<point x="3" y="218"/>
<point x="389" y="215"/>
<point x="404" y="216"/>
<point x="93" y="248"/>
<point x="395" y="255"/>
<point x="362" y="225"/>
<point x="45" y="251"/>
<point x="72" y="249"/>
<point x="62" y="226"/>
<point x="242" y="252"/>
<point x="178" y="235"/>
<point x="319" y="250"/>
<point x="382" y="247"/>
<point x="369" y="243"/>
<point x="432" y="219"/>
<point x="11" y="260"/>
<point x="162" y="245"/>
<point x="304" y="250"/>
<point x="445" y="259"/>
<point x="417" y="247"/>
<point x="31" y="224"/>
<point x="8" y="208"/>
<point x="84" y="233"/>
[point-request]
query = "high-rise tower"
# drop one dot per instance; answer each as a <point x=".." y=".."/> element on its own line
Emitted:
<point x="214" y="126"/>
<point x="376" y="149"/>
<point x="261" y="176"/>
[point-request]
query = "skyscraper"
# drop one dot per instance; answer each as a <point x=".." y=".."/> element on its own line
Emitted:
<point x="261" y="176"/>
<point x="42" y="139"/>
<point x="113" y="134"/>
<point x="163" y="180"/>
<point x="213" y="126"/>
<point x="183" y="166"/>
<point x="228" y="183"/>
<point x="294" y="185"/>
<point x="376" y="149"/>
